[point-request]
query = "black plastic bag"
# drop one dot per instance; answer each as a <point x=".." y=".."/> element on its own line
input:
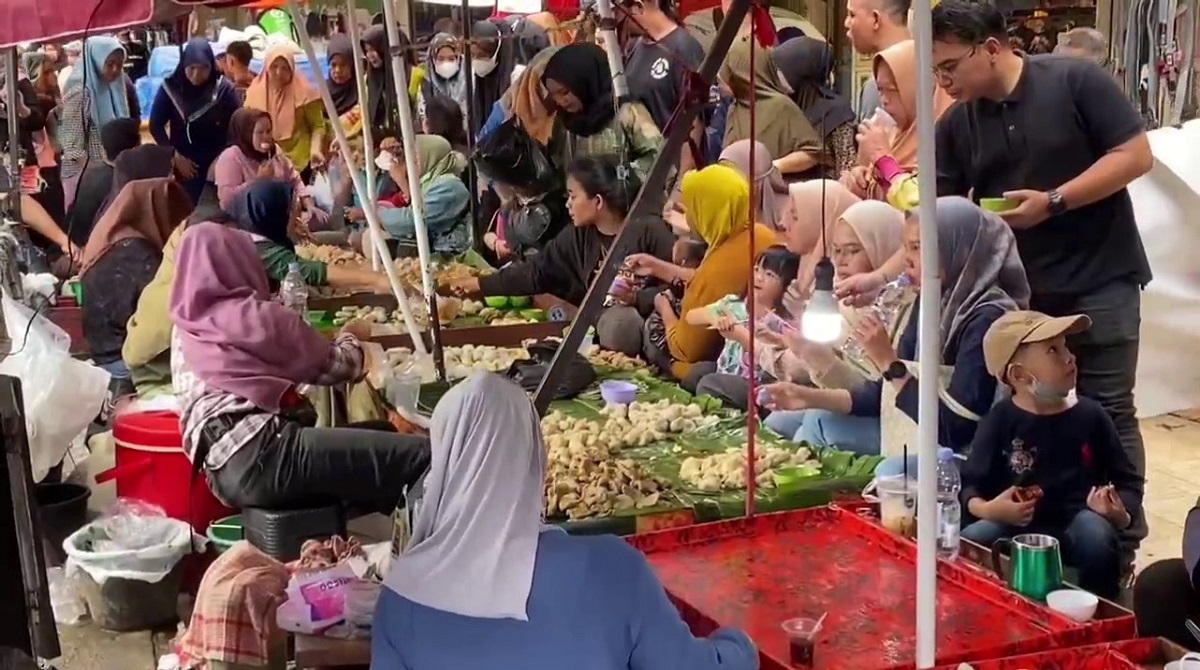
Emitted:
<point x="510" y="156"/>
<point x="579" y="376"/>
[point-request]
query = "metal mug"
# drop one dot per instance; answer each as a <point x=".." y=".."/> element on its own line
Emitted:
<point x="1035" y="568"/>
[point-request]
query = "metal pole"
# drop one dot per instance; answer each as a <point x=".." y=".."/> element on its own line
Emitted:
<point x="649" y="199"/>
<point x="360" y="81"/>
<point x="469" y="115"/>
<point x="372" y="216"/>
<point x="612" y="47"/>
<point x="409" y="137"/>
<point x="14" y="132"/>
<point x="929" y="346"/>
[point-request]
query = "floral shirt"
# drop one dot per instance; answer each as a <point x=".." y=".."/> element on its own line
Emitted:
<point x="633" y="136"/>
<point x="734" y="359"/>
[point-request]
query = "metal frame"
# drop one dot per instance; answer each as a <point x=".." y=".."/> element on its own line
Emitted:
<point x="14" y="129"/>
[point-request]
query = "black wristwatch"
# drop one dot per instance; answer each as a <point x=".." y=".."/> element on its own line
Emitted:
<point x="1057" y="205"/>
<point x="897" y="370"/>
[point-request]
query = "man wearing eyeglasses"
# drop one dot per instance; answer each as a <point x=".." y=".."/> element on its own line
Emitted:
<point x="1053" y="141"/>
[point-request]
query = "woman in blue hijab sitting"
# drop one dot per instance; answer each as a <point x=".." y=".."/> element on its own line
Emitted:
<point x="485" y="583"/>
<point x="197" y="103"/>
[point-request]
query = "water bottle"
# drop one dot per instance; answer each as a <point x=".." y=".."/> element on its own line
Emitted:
<point x="949" y="508"/>
<point x="882" y="118"/>
<point x="293" y="293"/>
<point x="887" y="305"/>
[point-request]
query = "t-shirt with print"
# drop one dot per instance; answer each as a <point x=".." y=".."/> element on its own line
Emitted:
<point x="655" y="71"/>
<point x="1066" y="454"/>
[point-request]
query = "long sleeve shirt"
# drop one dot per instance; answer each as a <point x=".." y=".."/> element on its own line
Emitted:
<point x="595" y="604"/>
<point x="447" y="203"/>
<point x="1064" y="454"/>
<point x="200" y="138"/>
<point x="969" y="394"/>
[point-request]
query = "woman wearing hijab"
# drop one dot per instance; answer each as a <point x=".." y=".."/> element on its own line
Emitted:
<point x="717" y="202"/>
<point x="862" y="239"/>
<point x="43" y="77"/>
<point x="196" y="102"/>
<point x="445" y="77"/>
<point x="147" y="161"/>
<point x="482" y="565"/>
<point x="238" y="357"/>
<point x="94" y="94"/>
<point x="120" y="259"/>
<point x="780" y="124"/>
<point x="266" y="210"/>
<point x="297" y="117"/>
<point x="493" y="57"/>
<point x="889" y="152"/>
<point x="982" y="279"/>
<point x="815" y="206"/>
<point x="770" y="190"/>
<point x="343" y="83"/>
<point x="382" y="109"/>
<point x="806" y="66"/>
<point x="579" y="82"/>
<point x="95" y="186"/>
<point x="526" y="100"/>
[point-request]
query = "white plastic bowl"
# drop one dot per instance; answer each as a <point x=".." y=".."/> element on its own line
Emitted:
<point x="1074" y="604"/>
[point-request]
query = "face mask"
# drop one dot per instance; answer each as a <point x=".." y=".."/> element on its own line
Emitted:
<point x="1044" y="393"/>
<point x="446" y="68"/>
<point x="482" y="67"/>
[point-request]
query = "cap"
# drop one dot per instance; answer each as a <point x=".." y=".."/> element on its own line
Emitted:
<point x="1013" y="329"/>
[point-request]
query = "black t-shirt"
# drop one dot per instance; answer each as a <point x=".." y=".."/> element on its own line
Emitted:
<point x="655" y="71"/>
<point x="1064" y="115"/>
<point x="1066" y="454"/>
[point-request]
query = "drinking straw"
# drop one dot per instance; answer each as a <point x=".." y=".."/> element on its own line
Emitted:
<point x="820" y="622"/>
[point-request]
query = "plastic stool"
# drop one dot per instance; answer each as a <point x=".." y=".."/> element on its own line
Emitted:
<point x="279" y="533"/>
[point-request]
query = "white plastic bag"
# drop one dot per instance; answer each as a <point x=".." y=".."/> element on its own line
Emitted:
<point x="62" y="395"/>
<point x="136" y="543"/>
<point x="66" y="601"/>
<point x="321" y="191"/>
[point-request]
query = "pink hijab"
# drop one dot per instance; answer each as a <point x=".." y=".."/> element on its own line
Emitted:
<point x="234" y="337"/>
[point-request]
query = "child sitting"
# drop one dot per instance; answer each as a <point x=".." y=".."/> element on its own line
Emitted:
<point x="1045" y="462"/>
<point x="687" y="253"/>
<point x="776" y="269"/>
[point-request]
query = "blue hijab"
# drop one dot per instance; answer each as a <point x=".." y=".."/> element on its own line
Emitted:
<point x="190" y="99"/>
<point x="109" y="99"/>
<point x="264" y="208"/>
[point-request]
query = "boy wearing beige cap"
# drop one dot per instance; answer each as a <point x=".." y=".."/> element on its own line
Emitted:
<point x="1044" y="461"/>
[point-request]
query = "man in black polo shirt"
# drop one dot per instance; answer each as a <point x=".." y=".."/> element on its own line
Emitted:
<point x="1057" y="137"/>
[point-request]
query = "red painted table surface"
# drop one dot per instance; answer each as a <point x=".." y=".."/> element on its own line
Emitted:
<point x="1140" y="654"/>
<point x="754" y="574"/>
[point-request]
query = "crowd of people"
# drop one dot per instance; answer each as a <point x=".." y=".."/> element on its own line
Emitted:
<point x="180" y="244"/>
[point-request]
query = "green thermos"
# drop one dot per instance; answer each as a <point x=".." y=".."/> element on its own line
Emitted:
<point x="1035" y="568"/>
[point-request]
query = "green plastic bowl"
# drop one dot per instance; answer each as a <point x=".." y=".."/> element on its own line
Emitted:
<point x="791" y="477"/>
<point x="496" y="301"/>
<point x="317" y="317"/>
<point x="533" y="314"/>
<point x="519" y="301"/>
<point x="224" y="533"/>
<point x="76" y="290"/>
<point x="997" y="205"/>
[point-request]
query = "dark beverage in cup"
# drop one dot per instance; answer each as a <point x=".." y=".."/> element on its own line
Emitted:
<point x="801" y="652"/>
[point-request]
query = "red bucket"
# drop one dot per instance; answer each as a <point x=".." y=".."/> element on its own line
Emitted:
<point x="151" y="466"/>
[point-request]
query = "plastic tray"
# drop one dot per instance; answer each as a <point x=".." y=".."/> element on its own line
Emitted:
<point x="753" y="574"/>
<point x="1148" y="653"/>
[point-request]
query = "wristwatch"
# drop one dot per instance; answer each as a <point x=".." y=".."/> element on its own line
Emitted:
<point x="1057" y="205"/>
<point x="897" y="370"/>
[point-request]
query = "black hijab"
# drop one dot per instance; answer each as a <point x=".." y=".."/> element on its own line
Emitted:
<point x="264" y="208"/>
<point x="381" y="87"/>
<point x="345" y="96"/>
<point x="189" y="99"/>
<point x="806" y="64"/>
<point x="583" y="70"/>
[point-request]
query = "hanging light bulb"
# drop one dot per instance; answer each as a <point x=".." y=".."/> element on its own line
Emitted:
<point x="822" y="321"/>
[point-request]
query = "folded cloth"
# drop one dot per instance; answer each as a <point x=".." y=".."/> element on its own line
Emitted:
<point x="235" y="609"/>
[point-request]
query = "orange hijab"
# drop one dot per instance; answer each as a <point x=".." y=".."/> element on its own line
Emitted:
<point x="149" y="209"/>
<point x="559" y="36"/>
<point x="281" y="103"/>
<point x="902" y="60"/>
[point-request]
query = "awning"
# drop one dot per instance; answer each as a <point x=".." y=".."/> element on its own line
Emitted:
<point x="62" y="20"/>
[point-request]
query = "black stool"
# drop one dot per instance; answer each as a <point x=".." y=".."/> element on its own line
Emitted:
<point x="280" y="533"/>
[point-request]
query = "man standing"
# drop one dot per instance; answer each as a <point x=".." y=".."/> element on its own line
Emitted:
<point x="872" y="26"/>
<point x="660" y="54"/>
<point x="237" y="66"/>
<point x="1057" y="138"/>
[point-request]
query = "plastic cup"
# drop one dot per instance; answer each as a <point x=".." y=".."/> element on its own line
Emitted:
<point x="898" y="504"/>
<point x="802" y="638"/>
<point x="997" y="205"/>
<point x="403" y="391"/>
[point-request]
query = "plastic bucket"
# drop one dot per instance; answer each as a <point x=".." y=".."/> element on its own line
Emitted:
<point x="224" y="533"/>
<point x="62" y="510"/>
<point x="151" y="466"/>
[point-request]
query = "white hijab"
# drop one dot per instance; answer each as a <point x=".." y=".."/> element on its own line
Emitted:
<point x="475" y="537"/>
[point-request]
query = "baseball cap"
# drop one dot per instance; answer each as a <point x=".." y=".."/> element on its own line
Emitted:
<point x="1013" y="329"/>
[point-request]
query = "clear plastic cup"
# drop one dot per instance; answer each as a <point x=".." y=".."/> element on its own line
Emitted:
<point x="403" y="390"/>
<point x="802" y="636"/>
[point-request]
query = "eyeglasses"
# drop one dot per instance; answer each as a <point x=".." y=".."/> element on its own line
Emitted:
<point x="945" y="69"/>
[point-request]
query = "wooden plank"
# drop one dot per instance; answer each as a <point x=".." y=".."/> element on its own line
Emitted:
<point x="315" y="651"/>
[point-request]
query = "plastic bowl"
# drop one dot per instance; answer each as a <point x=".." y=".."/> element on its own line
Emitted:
<point x="616" y="392"/>
<point x="996" y="204"/>
<point x="533" y="314"/>
<point x="1074" y="604"/>
<point x="520" y="301"/>
<point x="790" y="476"/>
<point x="496" y="301"/>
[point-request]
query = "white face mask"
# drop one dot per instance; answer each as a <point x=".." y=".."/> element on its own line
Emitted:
<point x="482" y="67"/>
<point x="446" y="69"/>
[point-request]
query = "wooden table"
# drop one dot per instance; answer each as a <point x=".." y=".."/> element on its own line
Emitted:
<point x="315" y="651"/>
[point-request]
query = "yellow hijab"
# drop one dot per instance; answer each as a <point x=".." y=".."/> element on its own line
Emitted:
<point x="717" y="201"/>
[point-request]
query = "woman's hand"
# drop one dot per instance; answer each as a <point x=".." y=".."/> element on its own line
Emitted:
<point x="316" y="159"/>
<point x="858" y="180"/>
<point x="787" y="396"/>
<point x="390" y="145"/>
<point x="662" y="305"/>
<point x="872" y="335"/>
<point x="465" y="287"/>
<point x="725" y="325"/>
<point x="874" y="141"/>
<point x="643" y="265"/>
<point x="858" y="290"/>
<point x="356" y="214"/>
<point x="71" y="251"/>
<point x="359" y="328"/>
<point x="184" y="167"/>
<point x="266" y="170"/>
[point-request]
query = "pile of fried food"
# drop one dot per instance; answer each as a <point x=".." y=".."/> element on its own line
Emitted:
<point x="613" y="359"/>
<point x="329" y="254"/>
<point x="640" y="423"/>
<point x="409" y="270"/>
<point x="448" y="310"/>
<point x="462" y="361"/>
<point x="727" y="471"/>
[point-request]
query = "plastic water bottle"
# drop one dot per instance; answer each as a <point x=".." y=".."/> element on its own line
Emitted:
<point x="949" y="508"/>
<point x="882" y="118"/>
<point x="293" y="292"/>
<point x="887" y="305"/>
